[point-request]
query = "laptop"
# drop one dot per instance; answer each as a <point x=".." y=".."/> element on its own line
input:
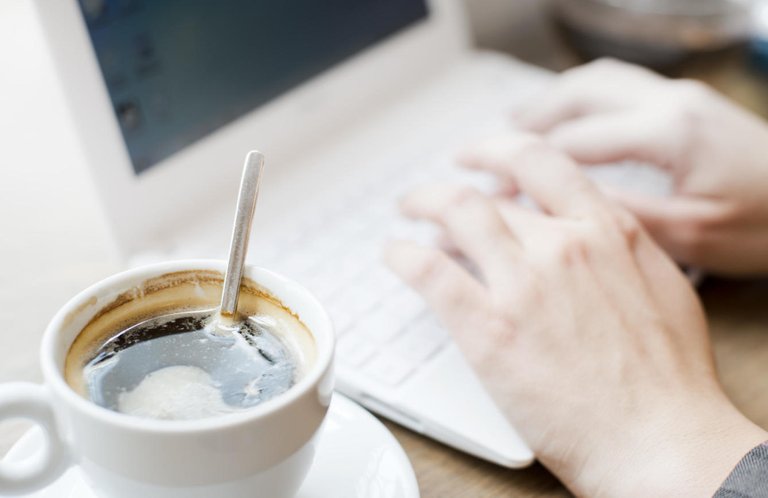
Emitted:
<point x="353" y="102"/>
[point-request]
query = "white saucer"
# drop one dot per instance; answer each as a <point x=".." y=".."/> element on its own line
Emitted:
<point x="357" y="457"/>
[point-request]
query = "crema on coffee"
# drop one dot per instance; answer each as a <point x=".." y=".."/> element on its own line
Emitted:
<point x="155" y="352"/>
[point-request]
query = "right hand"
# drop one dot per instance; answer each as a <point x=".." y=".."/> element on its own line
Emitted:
<point x="716" y="152"/>
<point x="586" y="334"/>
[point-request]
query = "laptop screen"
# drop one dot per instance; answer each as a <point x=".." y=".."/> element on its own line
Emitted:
<point x="176" y="70"/>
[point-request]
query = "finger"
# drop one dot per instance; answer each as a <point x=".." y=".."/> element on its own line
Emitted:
<point x="661" y="273"/>
<point x="507" y="188"/>
<point x="674" y="222"/>
<point x="545" y="174"/>
<point x="522" y="220"/>
<point x="600" y="86"/>
<point x="557" y="104"/>
<point x="470" y="219"/>
<point x="449" y="290"/>
<point x="607" y="138"/>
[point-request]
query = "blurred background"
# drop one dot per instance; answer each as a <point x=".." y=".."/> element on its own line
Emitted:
<point x="722" y="42"/>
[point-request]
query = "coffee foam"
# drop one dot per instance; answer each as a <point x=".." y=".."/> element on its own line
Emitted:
<point x="185" y="291"/>
<point x="175" y="393"/>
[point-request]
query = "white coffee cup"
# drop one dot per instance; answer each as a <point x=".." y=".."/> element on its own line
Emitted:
<point x="263" y="451"/>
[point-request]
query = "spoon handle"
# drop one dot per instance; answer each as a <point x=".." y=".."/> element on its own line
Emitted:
<point x="246" y="205"/>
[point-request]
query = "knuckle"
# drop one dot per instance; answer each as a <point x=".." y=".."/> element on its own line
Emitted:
<point x="498" y="339"/>
<point x="684" y="120"/>
<point x="426" y="270"/>
<point x="571" y="248"/>
<point x="597" y="67"/>
<point x="461" y="201"/>
<point x="530" y="148"/>
<point x="579" y="185"/>
<point x="627" y="227"/>
<point x="685" y="117"/>
<point x="607" y="63"/>
<point x="464" y="196"/>
<point x="692" y="94"/>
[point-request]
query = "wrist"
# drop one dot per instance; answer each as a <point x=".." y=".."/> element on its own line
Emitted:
<point x="678" y="448"/>
<point x="688" y="455"/>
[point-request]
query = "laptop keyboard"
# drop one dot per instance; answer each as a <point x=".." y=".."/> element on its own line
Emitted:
<point x="384" y="330"/>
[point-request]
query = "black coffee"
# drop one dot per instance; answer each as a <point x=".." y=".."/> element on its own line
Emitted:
<point x="154" y="351"/>
<point x="177" y="366"/>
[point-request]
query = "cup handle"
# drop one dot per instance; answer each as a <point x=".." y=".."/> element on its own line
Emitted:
<point x="32" y="401"/>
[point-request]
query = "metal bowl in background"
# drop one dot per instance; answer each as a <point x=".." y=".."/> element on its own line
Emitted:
<point x="656" y="33"/>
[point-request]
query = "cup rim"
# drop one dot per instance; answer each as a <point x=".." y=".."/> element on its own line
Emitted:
<point x="266" y="278"/>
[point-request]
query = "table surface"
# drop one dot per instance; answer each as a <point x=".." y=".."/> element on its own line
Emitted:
<point x="738" y="311"/>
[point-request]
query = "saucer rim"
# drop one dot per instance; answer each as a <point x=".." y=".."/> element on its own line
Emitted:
<point x="408" y="476"/>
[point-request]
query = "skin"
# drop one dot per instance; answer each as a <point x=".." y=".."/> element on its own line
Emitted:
<point x="583" y="329"/>
<point x="609" y="111"/>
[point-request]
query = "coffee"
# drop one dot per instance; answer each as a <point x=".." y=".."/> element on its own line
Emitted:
<point x="154" y="351"/>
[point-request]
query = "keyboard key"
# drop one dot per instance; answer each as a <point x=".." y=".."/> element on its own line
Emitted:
<point x="431" y="329"/>
<point x="381" y="279"/>
<point x="379" y="328"/>
<point x="335" y="275"/>
<point x="405" y="305"/>
<point x="357" y="299"/>
<point x="389" y="318"/>
<point x="354" y="265"/>
<point x="325" y="281"/>
<point x="419" y="341"/>
<point x="355" y="349"/>
<point x="416" y="232"/>
<point x="353" y="224"/>
<point x="416" y="343"/>
<point x="341" y="317"/>
<point x="389" y="369"/>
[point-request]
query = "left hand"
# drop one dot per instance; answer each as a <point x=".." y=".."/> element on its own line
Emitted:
<point x="607" y="111"/>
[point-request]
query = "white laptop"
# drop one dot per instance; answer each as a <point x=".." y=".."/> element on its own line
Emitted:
<point x="352" y="102"/>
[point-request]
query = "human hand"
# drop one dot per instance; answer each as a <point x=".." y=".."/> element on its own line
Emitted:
<point x="586" y="334"/>
<point x="716" y="152"/>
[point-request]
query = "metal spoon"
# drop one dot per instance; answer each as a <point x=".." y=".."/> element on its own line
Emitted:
<point x="246" y="206"/>
<point x="187" y="349"/>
